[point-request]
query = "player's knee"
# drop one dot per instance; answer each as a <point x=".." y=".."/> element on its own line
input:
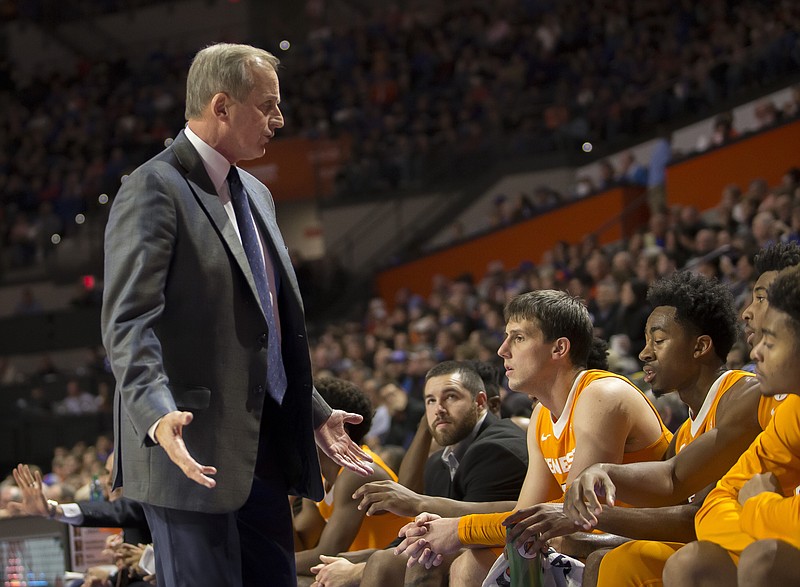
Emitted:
<point x="683" y="567"/>
<point x="382" y="565"/>
<point x="465" y="569"/>
<point x="699" y="563"/>
<point x="758" y="562"/>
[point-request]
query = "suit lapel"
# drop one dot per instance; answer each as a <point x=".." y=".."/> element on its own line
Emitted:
<point x="204" y="191"/>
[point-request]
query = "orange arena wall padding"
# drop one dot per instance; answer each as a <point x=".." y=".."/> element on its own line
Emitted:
<point x="525" y="241"/>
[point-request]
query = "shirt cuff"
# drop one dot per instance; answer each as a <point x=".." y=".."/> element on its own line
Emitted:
<point x="151" y="432"/>
<point x="72" y="514"/>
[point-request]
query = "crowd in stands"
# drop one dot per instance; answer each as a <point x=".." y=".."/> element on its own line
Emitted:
<point x="414" y="88"/>
<point x="49" y="11"/>
<point x="51" y="389"/>
<point x="431" y="83"/>
<point x="462" y="318"/>
<point x="389" y="352"/>
<point x="68" y="477"/>
<point x="406" y="85"/>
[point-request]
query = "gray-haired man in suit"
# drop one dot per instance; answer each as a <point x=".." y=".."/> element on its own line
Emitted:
<point x="216" y="417"/>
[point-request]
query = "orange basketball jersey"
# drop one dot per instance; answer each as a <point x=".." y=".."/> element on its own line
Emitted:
<point x="723" y="520"/>
<point x="557" y="440"/>
<point x="706" y="418"/>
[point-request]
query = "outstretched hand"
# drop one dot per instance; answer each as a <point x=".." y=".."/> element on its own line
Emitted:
<point x="582" y="498"/>
<point x="169" y="434"/>
<point x="34" y="501"/>
<point x="334" y="441"/>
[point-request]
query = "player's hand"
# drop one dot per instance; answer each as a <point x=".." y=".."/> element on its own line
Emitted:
<point x="533" y="527"/>
<point x="427" y="539"/>
<point x="379" y="497"/>
<point x="759" y="484"/>
<point x="582" y="498"/>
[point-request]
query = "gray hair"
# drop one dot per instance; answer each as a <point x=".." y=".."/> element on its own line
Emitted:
<point x="223" y="67"/>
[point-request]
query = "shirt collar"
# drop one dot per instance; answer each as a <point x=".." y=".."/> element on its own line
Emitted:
<point x="217" y="166"/>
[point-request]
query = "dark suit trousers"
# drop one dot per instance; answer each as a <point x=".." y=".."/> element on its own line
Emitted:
<point x="247" y="548"/>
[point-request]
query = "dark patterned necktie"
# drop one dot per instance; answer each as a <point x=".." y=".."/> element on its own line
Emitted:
<point x="276" y="374"/>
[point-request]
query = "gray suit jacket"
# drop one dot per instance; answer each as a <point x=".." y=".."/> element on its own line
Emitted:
<point x="184" y="330"/>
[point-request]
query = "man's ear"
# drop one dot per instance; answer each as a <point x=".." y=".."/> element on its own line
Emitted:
<point x="481" y="400"/>
<point x="702" y="346"/>
<point x="561" y="348"/>
<point x="219" y="105"/>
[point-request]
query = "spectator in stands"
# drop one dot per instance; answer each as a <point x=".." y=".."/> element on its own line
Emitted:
<point x="608" y="176"/>
<point x="764" y="229"/>
<point x="793" y="234"/>
<point x="405" y="412"/>
<point x="22" y="239"/>
<point x="36" y="404"/>
<point x="791" y="107"/>
<point x="9" y="374"/>
<point x="766" y="114"/>
<point x="722" y="132"/>
<point x="630" y="171"/>
<point x="78" y="400"/>
<point x="9" y="495"/>
<point x="420" y="361"/>
<point x="47" y="370"/>
<point x="656" y="173"/>
<point x="628" y="330"/>
<point x="604" y="307"/>
<point x="658" y="230"/>
<point x="47" y="224"/>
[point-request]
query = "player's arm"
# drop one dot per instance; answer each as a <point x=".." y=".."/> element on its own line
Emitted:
<point x="601" y="422"/>
<point x="342" y="526"/>
<point x="710" y="456"/>
<point x="670" y="482"/>
<point x="671" y="449"/>
<point x="539" y="485"/>
<point x="666" y="524"/>
<point x="412" y="469"/>
<point x="308" y="525"/>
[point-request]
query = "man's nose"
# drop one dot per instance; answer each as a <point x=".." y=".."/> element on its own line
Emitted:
<point x="503" y="350"/>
